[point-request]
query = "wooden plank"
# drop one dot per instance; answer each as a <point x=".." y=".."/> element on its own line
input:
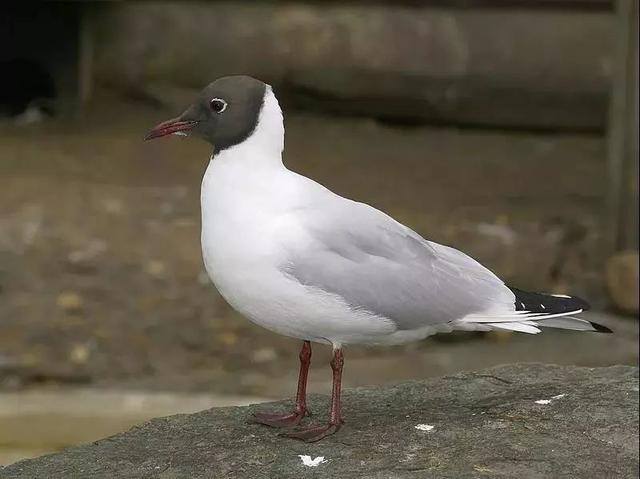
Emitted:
<point x="85" y="57"/>
<point x="570" y="5"/>
<point x="623" y="133"/>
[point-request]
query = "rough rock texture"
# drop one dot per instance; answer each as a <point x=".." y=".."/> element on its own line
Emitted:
<point x="523" y="421"/>
<point x="622" y="280"/>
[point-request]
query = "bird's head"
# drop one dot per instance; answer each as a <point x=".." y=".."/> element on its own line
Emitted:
<point x="225" y="113"/>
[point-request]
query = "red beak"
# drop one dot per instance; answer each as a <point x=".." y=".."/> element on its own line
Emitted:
<point x="170" y="127"/>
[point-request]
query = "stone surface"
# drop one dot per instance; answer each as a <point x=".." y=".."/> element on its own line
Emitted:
<point x="622" y="281"/>
<point x="47" y="420"/>
<point x="512" y="421"/>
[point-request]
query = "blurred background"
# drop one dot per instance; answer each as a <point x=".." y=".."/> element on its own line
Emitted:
<point x="505" y="128"/>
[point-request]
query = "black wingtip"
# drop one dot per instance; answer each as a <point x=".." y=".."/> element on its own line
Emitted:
<point x="548" y="303"/>
<point x="599" y="328"/>
<point x="584" y="305"/>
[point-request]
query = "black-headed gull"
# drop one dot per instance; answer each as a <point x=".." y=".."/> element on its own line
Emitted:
<point x="299" y="260"/>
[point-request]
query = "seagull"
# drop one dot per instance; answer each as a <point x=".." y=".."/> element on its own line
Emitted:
<point x="295" y="258"/>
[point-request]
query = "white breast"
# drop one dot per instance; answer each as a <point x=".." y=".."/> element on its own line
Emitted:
<point x="250" y="205"/>
<point x="246" y="226"/>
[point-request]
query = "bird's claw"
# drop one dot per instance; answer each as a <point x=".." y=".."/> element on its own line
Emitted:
<point x="277" y="420"/>
<point x="313" y="433"/>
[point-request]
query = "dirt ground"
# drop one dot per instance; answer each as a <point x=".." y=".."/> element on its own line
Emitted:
<point x="101" y="279"/>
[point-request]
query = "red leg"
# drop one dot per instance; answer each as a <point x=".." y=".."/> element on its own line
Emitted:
<point x="315" y="433"/>
<point x="293" y="418"/>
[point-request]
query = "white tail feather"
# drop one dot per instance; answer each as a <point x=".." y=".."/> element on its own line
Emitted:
<point x="520" y="327"/>
<point x="567" y="322"/>
<point x="527" y="322"/>
<point x="515" y="316"/>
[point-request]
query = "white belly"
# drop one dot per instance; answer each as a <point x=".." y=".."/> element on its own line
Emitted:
<point x="243" y="250"/>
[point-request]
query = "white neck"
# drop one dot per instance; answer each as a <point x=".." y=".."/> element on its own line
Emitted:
<point x="265" y="144"/>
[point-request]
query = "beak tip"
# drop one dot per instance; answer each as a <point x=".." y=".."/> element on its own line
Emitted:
<point x="170" y="127"/>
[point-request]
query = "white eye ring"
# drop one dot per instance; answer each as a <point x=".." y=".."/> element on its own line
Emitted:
<point x="216" y="103"/>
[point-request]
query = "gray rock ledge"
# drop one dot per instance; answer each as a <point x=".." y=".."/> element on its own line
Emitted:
<point x="524" y="421"/>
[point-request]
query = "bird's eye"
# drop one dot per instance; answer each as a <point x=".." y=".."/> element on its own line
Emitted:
<point x="218" y="105"/>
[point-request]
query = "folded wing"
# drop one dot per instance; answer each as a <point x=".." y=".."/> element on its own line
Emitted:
<point x="374" y="263"/>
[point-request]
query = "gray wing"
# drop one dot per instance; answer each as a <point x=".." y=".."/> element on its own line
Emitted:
<point x="375" y="263"/>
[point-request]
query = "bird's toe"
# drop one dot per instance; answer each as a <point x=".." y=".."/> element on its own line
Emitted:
<point x="314" y="433"/>
<point x="276" y="420"/>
